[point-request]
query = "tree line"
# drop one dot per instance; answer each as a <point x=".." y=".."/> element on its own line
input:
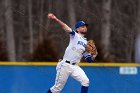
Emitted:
<point x="26" y="34"/>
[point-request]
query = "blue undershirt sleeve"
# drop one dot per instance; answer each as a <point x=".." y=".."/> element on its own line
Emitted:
<point x="72" y="33"/>
<point x="88" y="57"/>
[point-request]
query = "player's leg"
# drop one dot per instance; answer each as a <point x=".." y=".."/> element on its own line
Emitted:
<point x="49" y="91"/>
<point x="84" y="89"/>
<point x="80" y="76"/>
<point x="61" y="78"/>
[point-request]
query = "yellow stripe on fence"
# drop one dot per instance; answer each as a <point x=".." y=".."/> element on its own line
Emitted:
<point x="55" y="63"/>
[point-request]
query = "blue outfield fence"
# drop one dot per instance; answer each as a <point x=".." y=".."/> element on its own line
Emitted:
<point x="31" y="77"/>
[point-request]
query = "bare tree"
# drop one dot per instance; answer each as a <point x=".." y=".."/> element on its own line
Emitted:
<point x="137" y="42"/>
<point x="41" y="21"/>
<point x="2" y="34"/>
<point x="21" y="20"/>
<point x="30" y="25"/>
<point x="71" y="12"/>
<point x="3" y="53"/>
<point x="106" y="27"/>
<point x="10" y="40"/>
<point x="50" y="9"/>
<point x="138" y="18"/>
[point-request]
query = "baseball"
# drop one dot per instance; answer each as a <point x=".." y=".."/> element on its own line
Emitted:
<point x="50" y="15"/>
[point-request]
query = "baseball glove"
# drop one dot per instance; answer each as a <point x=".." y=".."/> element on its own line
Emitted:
<point x="91" y="48"/>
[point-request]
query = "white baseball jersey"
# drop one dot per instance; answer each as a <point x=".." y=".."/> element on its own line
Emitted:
<point x="75" y="48"/>
<point x="73" y="54"/>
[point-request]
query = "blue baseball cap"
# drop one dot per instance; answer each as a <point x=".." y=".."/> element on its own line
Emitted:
<point x="80" y="23"/>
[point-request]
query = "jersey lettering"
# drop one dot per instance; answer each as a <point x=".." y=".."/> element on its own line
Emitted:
<point x="81" y="43"/>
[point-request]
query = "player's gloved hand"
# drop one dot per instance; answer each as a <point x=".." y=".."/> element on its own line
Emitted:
<point x="91" y="48"/>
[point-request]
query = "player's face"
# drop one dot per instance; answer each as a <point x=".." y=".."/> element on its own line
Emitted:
<point x="82" y="29"/>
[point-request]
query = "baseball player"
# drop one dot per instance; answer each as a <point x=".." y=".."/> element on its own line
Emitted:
<point x="73" y="54"/>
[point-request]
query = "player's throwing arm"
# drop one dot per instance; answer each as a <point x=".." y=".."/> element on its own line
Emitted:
<point x="64" y="26"/>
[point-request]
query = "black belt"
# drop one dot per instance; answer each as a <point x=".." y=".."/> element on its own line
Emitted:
<point x="70" y="63"/>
